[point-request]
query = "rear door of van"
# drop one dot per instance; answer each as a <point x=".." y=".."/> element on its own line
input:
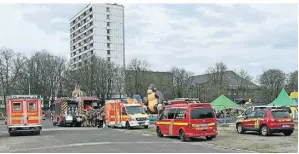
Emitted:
<point x="202" y="119"/>
<point x="16" y="112"/>
<point x="33" y="112"/>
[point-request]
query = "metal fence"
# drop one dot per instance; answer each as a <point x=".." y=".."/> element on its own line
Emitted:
<point x="226" y="117"/>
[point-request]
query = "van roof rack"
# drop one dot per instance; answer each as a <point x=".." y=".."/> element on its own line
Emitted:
<point x="186" y="99"/>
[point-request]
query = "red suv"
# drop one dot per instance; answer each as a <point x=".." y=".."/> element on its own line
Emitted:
<point x="267" y="122"/>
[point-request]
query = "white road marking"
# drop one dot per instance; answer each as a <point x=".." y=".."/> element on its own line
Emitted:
<point x="88" y="144"/>
<point x="59" y="129"/>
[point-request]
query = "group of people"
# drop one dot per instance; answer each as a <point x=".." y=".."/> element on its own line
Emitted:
<point x="91" y="117"/>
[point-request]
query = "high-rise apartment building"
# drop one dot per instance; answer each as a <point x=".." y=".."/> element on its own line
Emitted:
<point x="98" y="29"/>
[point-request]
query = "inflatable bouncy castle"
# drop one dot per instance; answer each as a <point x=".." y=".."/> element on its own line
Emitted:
<point x="153" y="102"/>
<point x="294" y="96"/>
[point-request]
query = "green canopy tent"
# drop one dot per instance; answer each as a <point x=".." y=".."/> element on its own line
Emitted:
<point x="283" y="99"/>
<point x="222" y="103"/>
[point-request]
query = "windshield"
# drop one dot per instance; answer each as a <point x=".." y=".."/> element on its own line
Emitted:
<point x="72" y="108"/>
<point x="202" y="113"/>
<point x="135" y="110"/>
<point x="280" y="114"/>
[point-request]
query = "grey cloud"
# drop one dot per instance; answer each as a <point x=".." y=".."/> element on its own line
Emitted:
<point x="223" y="33"/>
<point x="62" y="11"/>
<point x="283" y="36"/>
<point x="229" y="15"/>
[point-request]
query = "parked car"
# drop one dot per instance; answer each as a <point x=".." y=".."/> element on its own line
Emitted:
<point x="266" y="122"/>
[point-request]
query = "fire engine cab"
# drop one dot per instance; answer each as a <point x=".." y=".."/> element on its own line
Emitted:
<point x="24" y="114"/>
<point x="121" y="114"/>
<point x="187" y="119"/>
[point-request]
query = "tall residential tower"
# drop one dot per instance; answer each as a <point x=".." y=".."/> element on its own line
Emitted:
<point x="98" y="29"/>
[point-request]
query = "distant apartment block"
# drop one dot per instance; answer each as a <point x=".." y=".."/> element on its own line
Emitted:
<point x="98" y="29"/>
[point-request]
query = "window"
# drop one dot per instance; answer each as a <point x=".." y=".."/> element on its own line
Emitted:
<point x="17" y="106"/>
<point x="108" y="24"/>
<point x="135" y="110"/>
<point x="108" y="31"/>
<point x="280" y="114"/>
<point x="107" y="9"/>
<point x="180" y="114"/>
<point x="32" y="106"/>
<point x="108" y="52"/>
<point x="91" y="52"/>
<point x="248" y="111"/>
<point x="171" y="113"/>
<point x="251" y="114"/>
<point x="107" y="16"/>
<point x="123" y="111"/>
<point x="260" y="114"/>
<point x="163" y="115"/>
<point x="108" y="45"/>
<point x="202" y="113"/>
<point x="108" y="38"/>
<point x="108" y="58"/>
<point x="288" y="109"/>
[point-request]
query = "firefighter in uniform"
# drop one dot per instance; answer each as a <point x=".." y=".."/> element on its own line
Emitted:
<point x="84" y="118"/>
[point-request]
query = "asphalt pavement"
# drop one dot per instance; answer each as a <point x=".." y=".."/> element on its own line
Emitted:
<point x="55" y="139"/>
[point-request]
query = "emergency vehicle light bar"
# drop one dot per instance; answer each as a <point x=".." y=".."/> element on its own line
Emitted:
<point x="184" y="102"/>
<point x="25" y="96"/>
<point x="186" y="99"/>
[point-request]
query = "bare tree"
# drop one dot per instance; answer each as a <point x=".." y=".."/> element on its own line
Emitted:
<point x="272" y="81"/>
<point x="217" y="80"/>
<point x="11" y="65"/>
<point x="243" y="82"/>
<point x="292" y="81"/>
<point x="181" y="82"/>
<point x="119" y="79"/>
<point x="136" y="77"/>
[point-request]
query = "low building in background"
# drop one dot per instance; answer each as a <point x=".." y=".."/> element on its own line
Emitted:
<point x="235" y="88"/>
<point x="139" y="81"/>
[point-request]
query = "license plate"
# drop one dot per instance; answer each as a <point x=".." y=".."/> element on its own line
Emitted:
<point x="26" y="128"/>
<point x="202" y="128"/>
<point x="141" y="123"/>
<point x="285" y="126"/>
<point x="203" y="125"/>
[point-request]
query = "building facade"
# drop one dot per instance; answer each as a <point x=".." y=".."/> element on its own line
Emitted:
<point x="235" y="88"/>
<point x="98" y="29"/>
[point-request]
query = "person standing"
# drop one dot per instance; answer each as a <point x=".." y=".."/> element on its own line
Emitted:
<point x="101" y="120"/>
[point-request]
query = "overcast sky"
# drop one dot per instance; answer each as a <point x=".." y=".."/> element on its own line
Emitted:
<point x="194" y="37"/>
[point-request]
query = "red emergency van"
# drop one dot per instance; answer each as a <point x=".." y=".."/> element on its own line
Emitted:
<point x="24" y="114"/>
<point x="187" y="120"/>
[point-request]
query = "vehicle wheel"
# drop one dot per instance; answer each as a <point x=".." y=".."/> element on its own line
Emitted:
<point x="159" y="133"/>
<point x="209" y="138"/>
<point x="288" y="133"/>
<point x="128" y="125"/>
<point x="78" y="124"/>
<point x="37" y="133"/>
<point x="12" y="134"/>
<point x="54" y="124"/>
<point x="146" y="127"/>
<point x="240" y="129"/>
<point x="264" y="130"/>
<point x="182" y="136"/>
